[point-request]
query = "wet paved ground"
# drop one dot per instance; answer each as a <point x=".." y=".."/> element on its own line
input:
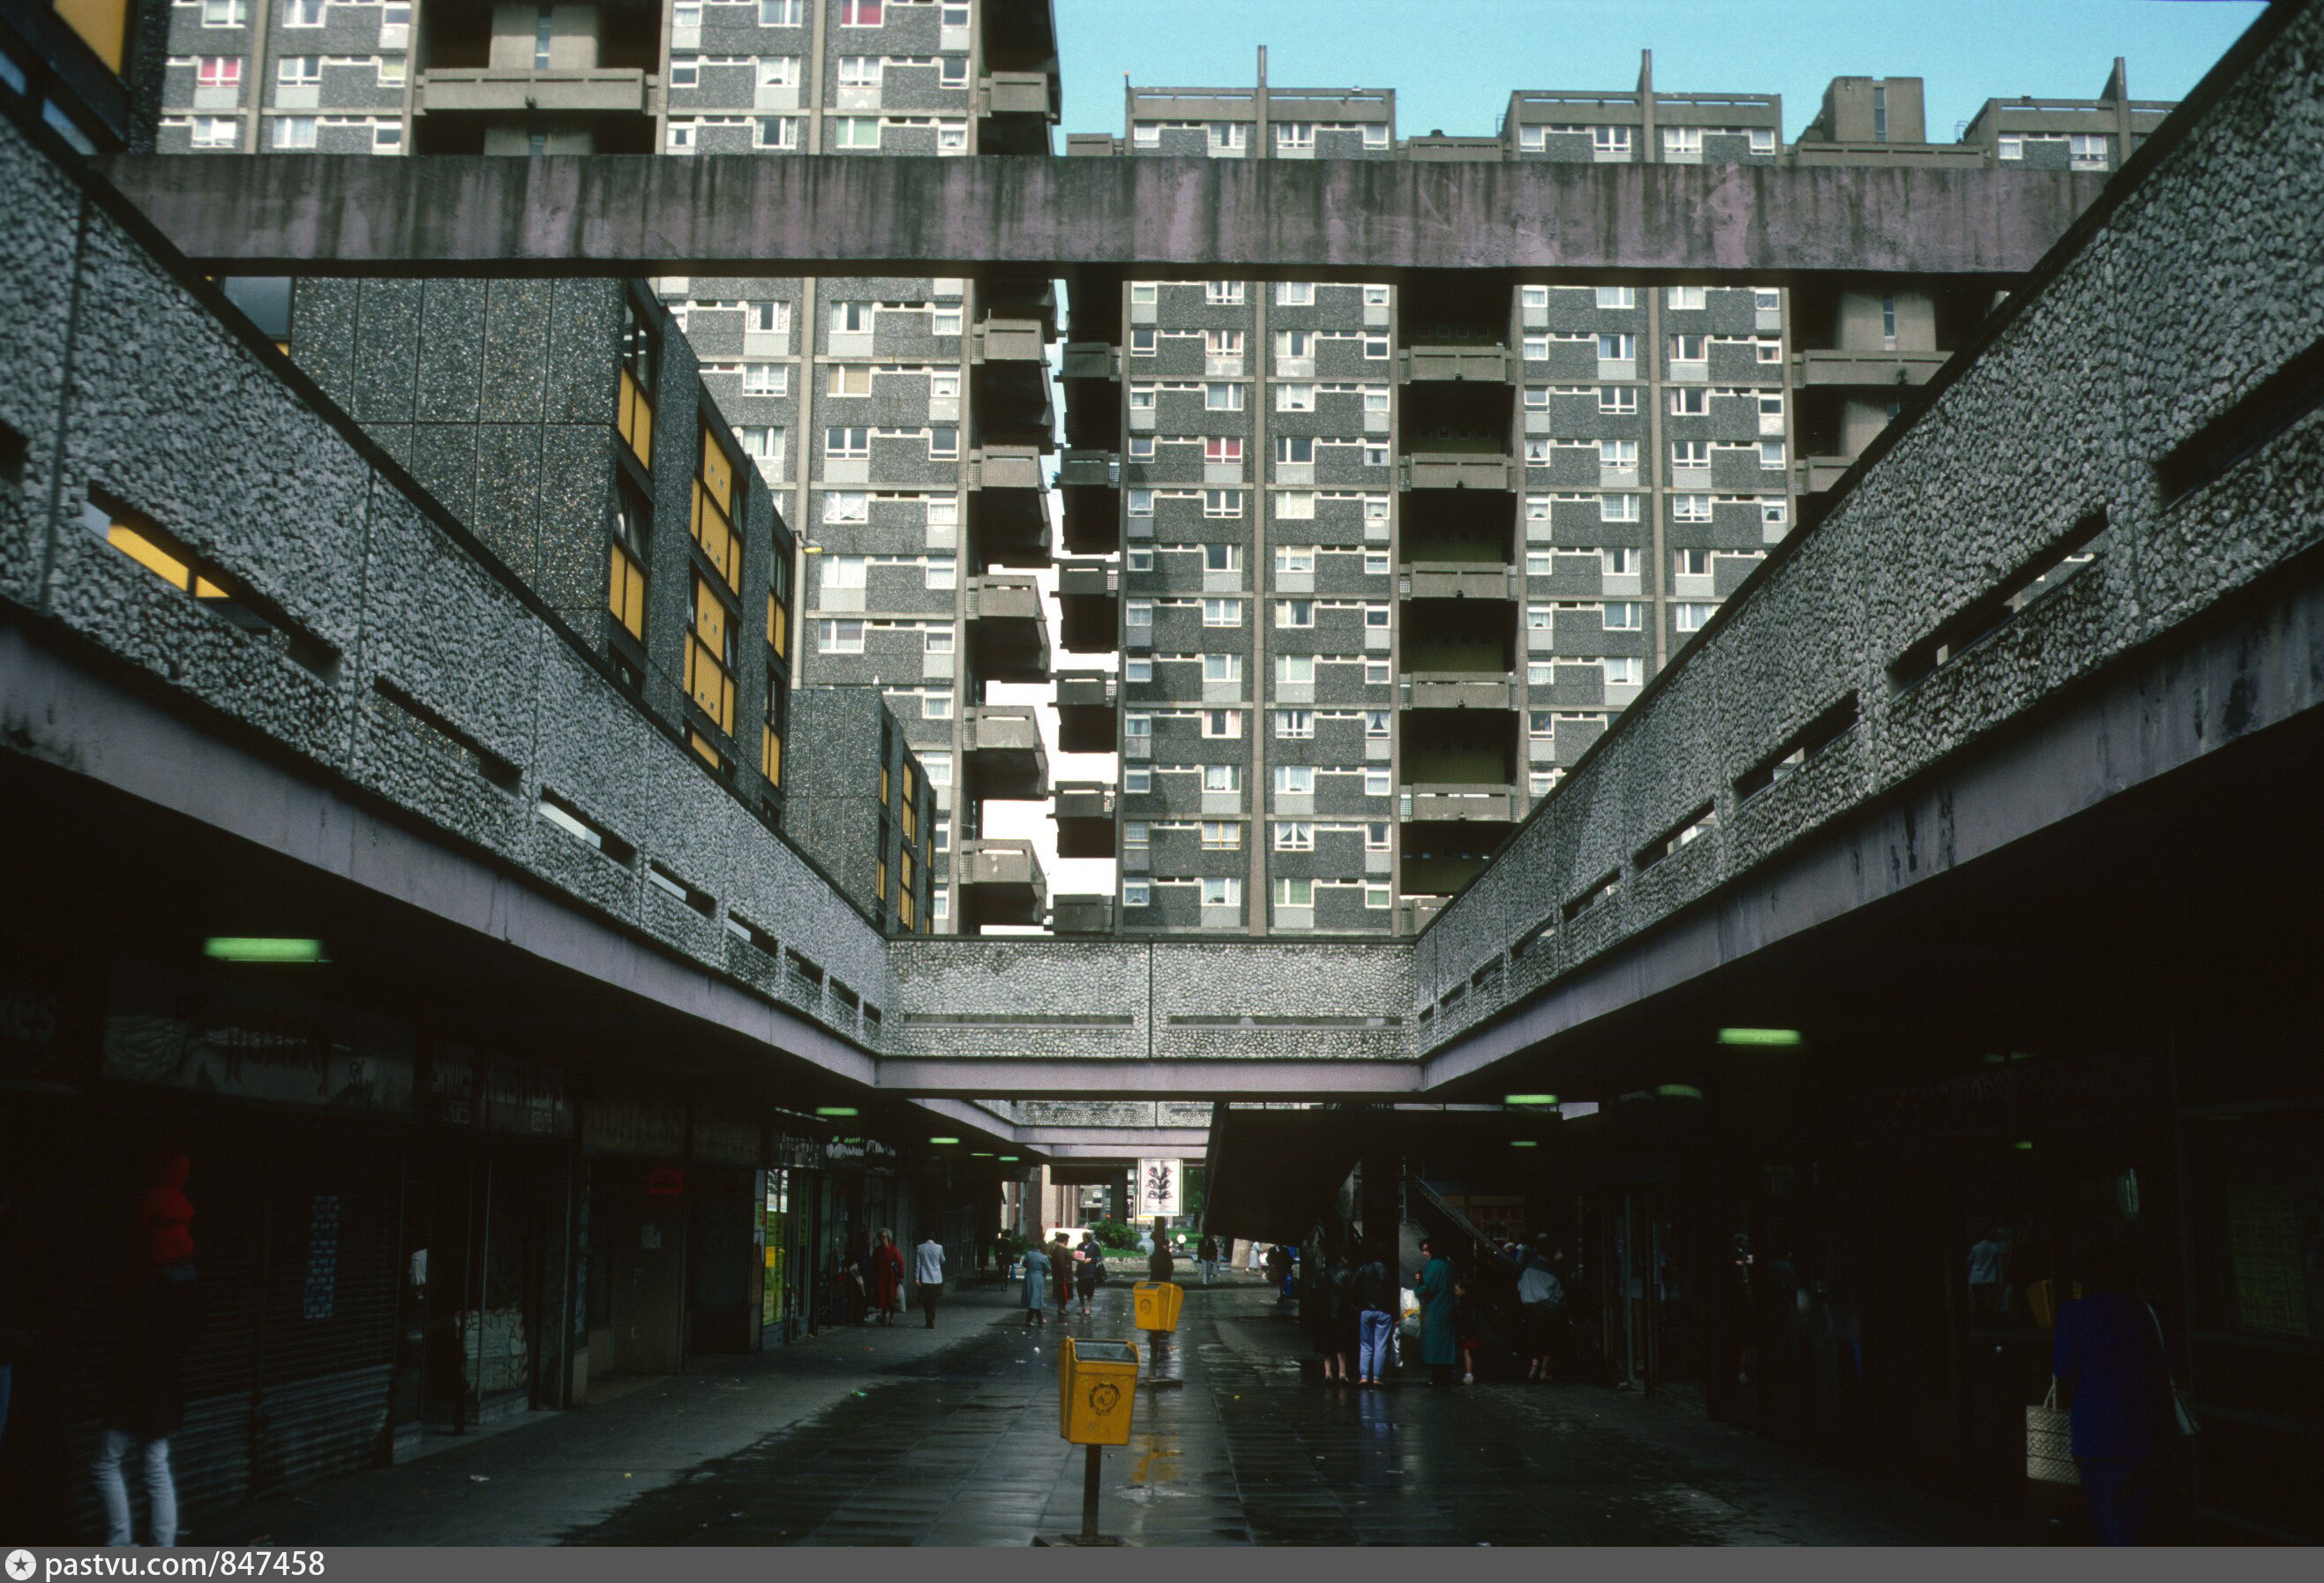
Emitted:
<point x="902" y="1437"/>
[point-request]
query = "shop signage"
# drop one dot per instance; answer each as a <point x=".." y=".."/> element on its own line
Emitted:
<point x="635" y="1126"/>
<point x="721" y="1137"/>
<point x="793" y="1152"/>
<point x="450" y="1097"/>
<point x="2018" y="1094"/>
<point x="179" y="1032"/>
<point x="527" y="1098"/>
<point x="858" y="1154"/>
<point x="665" y="1182"/>
<point x="1158" y="1188"/>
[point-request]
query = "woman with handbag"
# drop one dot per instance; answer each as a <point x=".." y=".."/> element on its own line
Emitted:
<point x="2114" y="1370"/>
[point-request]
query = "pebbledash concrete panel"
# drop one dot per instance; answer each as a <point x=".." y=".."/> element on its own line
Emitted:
<point x="1369" y="219"/>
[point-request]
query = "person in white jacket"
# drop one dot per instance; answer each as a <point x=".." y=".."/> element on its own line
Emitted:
<point x="927" y="1274"/>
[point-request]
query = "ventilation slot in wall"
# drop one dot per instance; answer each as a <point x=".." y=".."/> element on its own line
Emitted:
<point x="1532" y="938"/>
<point x="560" y="811"/>
<point x="2040" y="574"/>
<point x="143" y="541"/>
<point x="1693" y="827"/>
<point x="14" y="448"/>
<point x="802" y="977"/>
<point x="663" y="879"/>
<point x="448" y="739"/>
<point x="2278" y="401"/>
<point x="1799" y="746"/>
<point x="751" y="935"/>
<point x="1590" y="898"/>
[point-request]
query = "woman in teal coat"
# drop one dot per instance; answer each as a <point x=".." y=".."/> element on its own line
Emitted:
<point x="1036" y="1285"/>
<point x="1440" y="1335"/>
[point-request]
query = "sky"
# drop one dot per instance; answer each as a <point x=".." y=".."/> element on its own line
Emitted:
<point x="1453" y="63"/>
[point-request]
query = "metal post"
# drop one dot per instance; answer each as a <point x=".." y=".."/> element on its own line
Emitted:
<point x="1088" y="1495"/>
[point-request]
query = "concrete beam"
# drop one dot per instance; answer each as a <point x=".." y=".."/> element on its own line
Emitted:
<point x="1100" y="1078"/>
<point x="1112" y="1154"/>
<point x="747" y="215"/>
<point x="1148" y="1143"/>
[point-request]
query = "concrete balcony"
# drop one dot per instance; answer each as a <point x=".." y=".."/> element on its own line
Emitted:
<point x="1490" y="365"/>
<point x="1000" y="881"/>
<point x="1455" y="689"/>
<point x="1009" y="372"/>
<point x="1084" y="811"/>
<point x="1089" y="602"/>
<point x="1458" y="800"/>
<point x="1081" y="915"/>
<point x="1000" y="746"/>
<point x="498" y="92"/>
<point x="1815" y="474"/>
<point x="1861" y="369"/>
<point x="1007" y="506"/>
<point x="1008" y="631"/>
<point x="1019" y="93"/>
<point x="1089" y="710"/>
<point x="1453" y="579"/>
<point x="1456" y="470"/>
<point x="1089" y="483"/>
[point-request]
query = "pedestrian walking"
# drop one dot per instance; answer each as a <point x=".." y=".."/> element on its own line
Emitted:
<point x="1060" y="1272"/>
<point x="146" y="1396"/>
<point x="887" y="1276"/>
<point x="1339" y="1303"/>
<point x="927" y="1274"/>
<point x="1251" y="1261"/>
<point x="1468" y="1312"/>
<point x="1089" y="1270"/>
<point x="1440" y="1336"/>
<point x="1375" y="1300"/>
<point x="1036" y="1282"/>
<point x="1541" y="1312"/>
<point x="2112" y="1369"/>
<point x="1161" y="1264"/>
<point x="1206" y="1255"/>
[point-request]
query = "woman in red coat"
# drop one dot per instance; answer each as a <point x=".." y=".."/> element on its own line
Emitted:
<point x="888" y="1275"/>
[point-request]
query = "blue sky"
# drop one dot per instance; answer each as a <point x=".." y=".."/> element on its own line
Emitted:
<point x="1452" y="62"/>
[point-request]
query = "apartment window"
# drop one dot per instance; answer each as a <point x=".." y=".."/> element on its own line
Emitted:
<point x="1141" y="559"/>
<point x="952" y="71"/>
<point x="852" y="318"/>
<point x="1609" y="140"/>
<point x="942" y="573"/>
<point x="1221" y="836"/>
<point x="1376" y="673"/>
<point x="632" y="530"/>
<point x="1137" y="892"/>
<point x="1222" y="294"/>
<point x="1624" y="615"/>
<point x="944" y="442"/>
<point x="861" y="13"/>
<point x="1773" y="514"/>
<point x="1295" y="557"/>
<point x="1222" y="892"/>
<point x="1137" y="779"/>
<point x="219" y="72"/>
<point x="1142" y="502"/>
<point x="1689" y="401"/>
<point x="1879" y="114"/>
<point x="1376" y="723"/>
<point x="1682" y="142"/>
<point x="1769" y="351"/>
<point x="848" y="379"/>
<point x="685" y="13"/>
<point x="302" y="13"/>
<point x="847" y="506"/>
<point x="859" y="71"/>
<point x="1683" y="297"/>
<point x="1221" y="668"/>
<point x="1138" y="613"/>
<point x="1137" y="725"/>
<point x="779" y="13"/>
<point x="1295" y="836"/>
<point x="846" y="571"/>
<point x="1222" y="612"/>
<point x="1616" y="349"/>
<point x="1375" y="563"/>
<point x="1142" y="341"/>
<point x="1376" y="782"/>
<point x="855" y="131"/>
<point x="1294" y="612"/>
<point x="1609" y="297"/>
<point x="1690" y="348"/>
<point x="767" y="445"/>
<point x="1617" y="454"/>
<point x="936" y="640"/>
<point x="1223" y="343"/>
<point x="1763" y="140"/>
<point x="1376" y="348"/>
<point x="387" y="134"/>
<point x="1888" y="322"/>
<point x="294" y="132"/>
<point x="1620" y="562"/>
<point x="1144" y="293"/>
<point x="1222" y="558"/>
<point x="1294" y="780"/>
<point x="1222" y="503"/>
<point x="1771" y="455"/>
<point x="766" y="379"/>
<point x="1220" y="451"/>
<point x="681" y="136"/>
<point x="1533" y="348"/>
<point x="1297" y="449"/>
<point x="544" y="29"/>
<point x="1375" y="453"/>
<point x="1294" y="724"/>
<point x="1691" y="562"/>
<point x="1617" y="398"/>
<point x="1220" y="778"/>
<point x="216" y="132"/>
<point x="1297" y="669"/>
<point x="1222" y="723"/>
<point x="1538" y="563"/>
<point x="943" y="322"/>
<point x="1375" y="616"/>
<point x="1222" y="398"/>
<point x="1767" y="301"/>
<point x="1376" y="837"/>
<point x="1541" y="723"/>
<point x="2012" y="148"/>
<point x="777" y="132"/>
<point x="1295" y="134"/>
<point x="1229" y="137"/>
<point x="779" y="604"/>
<point x="1690" y="453"/>
<point x="226" y="12"/>
<point x="847" y="443"/>
<point x="710" y="656"/>
<point x="1294" y="293"/>
<point x="1295" y="398"/>
<point x="1689" y="616"/>
<point x="1689" y="508"/>
<point x="839" y="637"/>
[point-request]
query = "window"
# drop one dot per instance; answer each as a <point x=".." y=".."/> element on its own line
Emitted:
<point x="1295" y="557"/>
<point x="1142" y="502"/>
<point x="710" y="656"/>
<point x="1295" y="134"/>
<point x="1623" y="615"/>
<point x="846" y="506"/>
<point x="846" y="571"/>
<point x="1688" y="615"/>
<point x="1691" y="400"/>
<point x="1616" y="349"/>
<point x="1138" y="613"/>
<point x="1375" y="453"/>
<point x="1376" y="782"/>
<point x="847" y="443"/>
<point x="1295" y="836"/>
<point x="1533" y="348"/>
<point x="1771" y="455"/>
<point x="634" y="416"/>
<point x="777" y="132"/>
<point x="387" y="134"/>
<point x="1141" y="559"/>
<point x="1136" y="725"/>
<point x="952" y="71"/>
<point x="861" y="13"/>
<point x="1221" y="836"/>
<point x="1222" y="558"/>
<point x="681" y="136"/>
<point x="1689" y="348"/>
<point x="1137" y="779"/>
<point x="1222" y="892"/>
<point x="1295" y="398"/>
<point x="1617" y="297"/>
<point x="1879" y="114"/>
<point x="937" y="768"/>
<point x="1763" y="140"/>
<point x="1622" y="561"/>
<point x="1690" y="453"/>
<point x="294" y="132"/>
<point x="216" y="132"/>
<point x="1147" y="134"/>
<point x="839" y="637"/>
<point x="1296" y="669"/>
<point x="1609" y="140"/>
<point x="717" y="492"/>
<point x="1618" y="454"/>
<point x="1772" y="513"/>
<point x="1222" y="723"/>
<point x="1294" y="724"/>
<point x="1689" y="508"/>
<point x="852" y="319"/>
<point x="1769" y="351"/>
<point x="942" y="573"/>
<point x="1137" y="892"/>
<point x="855" y="131"/>
<point x="1222" y="398"/>
<point x="1222" y="294"/>
<point x="1137" y="669"/>
<point x="1144" y="293"/>
<point x="1294" y="780"/>
<point x="1375" y="563"/>
<point x="1297" y="449"/>
<point x="847" y="379"/>
<point x="302" y="13"/>
<point x="1375" y="616"/>
<point x="1376" y="348"/>
<point x="219" y="72"/>
<point x="2087" y="151"/>
<point x="1376" y="673"/>
<point x="1222" y="503"/>
<point x="2012" y="148"/>
<point x="1294" y="612"/>
<point x="859" y="71"/>
<point x="1681" y="142"/>
<point x="944" y="442"/>
<point x="1376" y="723"/>
<point x="1294" y="293"/>
<point x="936" y="640"/>
<point x="1222" y="451"/>
<point x="1377" y="899"/>
<point x="1142" y="341"/>
<point x="767" y="445"/>
<point x="1683" y="297"/>
<point x="226" y="12"/>
<point x="1223" y="343"/>
<point x="766" y="379"/>
<point x="1221" y="668"/>
<point x="1220" y="778"/>
<point x="1691" y="562"/>
<point x="632" y="531"/>
<point x="779" y="13"/>
<point x="943" y="322"/>
<point x="1222" y="612"/>
<point x="1541" y="723"/>
<point x="1617" y="398"/>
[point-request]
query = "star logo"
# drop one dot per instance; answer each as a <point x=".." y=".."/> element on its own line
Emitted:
<point x="21" y="1565"/>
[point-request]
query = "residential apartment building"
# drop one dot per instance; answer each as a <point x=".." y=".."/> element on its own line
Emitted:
<point x="1391" y="557"/>
<point x="901" y="424"/>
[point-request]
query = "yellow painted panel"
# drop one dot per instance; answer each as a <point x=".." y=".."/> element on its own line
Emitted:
<point x="717" y="472"/>
<point x="150" y="555"/>
<point x="103" y="25"/>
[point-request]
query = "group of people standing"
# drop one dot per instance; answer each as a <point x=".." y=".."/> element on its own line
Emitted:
<point x="1357" y="1309"/>
<point x="1054" y="1268"/>
<point x="877" y="1280"/>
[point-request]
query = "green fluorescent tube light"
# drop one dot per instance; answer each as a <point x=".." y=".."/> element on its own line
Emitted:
<point x="1528" y="1099"/>
<point x="944" y="1139"/>
<point x="235" y="948"/>
<point x="1524" y="1143"/>
<point x="980" y="1154"/>
<point x="834" y="1110"/>
<point x="1679" y="1092"/>
<point x="1009" y="1159"/>
<point x="1758" y="1036"/>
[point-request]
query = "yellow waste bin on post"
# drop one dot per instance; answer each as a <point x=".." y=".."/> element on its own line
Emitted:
<point x="1096" y="1383"/>
<point x="1155" y="1303"/>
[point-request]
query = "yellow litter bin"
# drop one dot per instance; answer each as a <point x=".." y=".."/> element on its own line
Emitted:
<point x="1156" y="1304"/>
<point x="1096" y="1381"/>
